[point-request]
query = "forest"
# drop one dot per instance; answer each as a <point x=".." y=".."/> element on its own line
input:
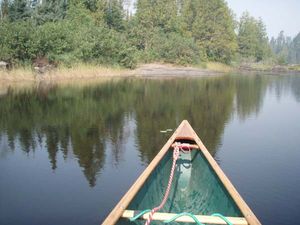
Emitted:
<point x="110" y="32"/>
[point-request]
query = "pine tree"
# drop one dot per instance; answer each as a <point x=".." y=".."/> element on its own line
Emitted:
<point x="273" y="44"/>
<point x="91" y="5"/>
<point x="263" y="49"/>
<point x="294" y="50"/>
<point x="188" y="13"/>
<point x="19" y="10"/>
<point x="50" y="11"/>
<point x="114" y="14"/>
<point x="108" y="13"/>
<point x="211" y="24"/>
<point x="162" y="14"/>
<point x="252" y="38"/>
<point x="282" y="48"/>
<point x="4" y="9"/>
<point x="280" y="42"/>
<point x="143" y="25"/>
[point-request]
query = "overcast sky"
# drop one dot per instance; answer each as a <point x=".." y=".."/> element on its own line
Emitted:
<point x="277" y="14"/>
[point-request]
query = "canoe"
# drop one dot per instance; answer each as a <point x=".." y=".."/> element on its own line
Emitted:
<point x="199" y="191"/>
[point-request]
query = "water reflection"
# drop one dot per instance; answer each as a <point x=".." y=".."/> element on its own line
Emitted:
<point x="207" y="104"/>
<point x="84" y="119"/>
<point x="250" y="95"/>
<point x="295" y="88"/>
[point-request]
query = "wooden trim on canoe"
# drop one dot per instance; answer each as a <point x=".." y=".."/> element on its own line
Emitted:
<point x="187" y="219"/>
<point x="184" y="131"/>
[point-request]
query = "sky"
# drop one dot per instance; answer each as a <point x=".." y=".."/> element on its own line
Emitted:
<point x="276" y="14"/>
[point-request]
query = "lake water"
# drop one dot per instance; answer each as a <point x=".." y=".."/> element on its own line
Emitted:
<point x="68" y="153"/>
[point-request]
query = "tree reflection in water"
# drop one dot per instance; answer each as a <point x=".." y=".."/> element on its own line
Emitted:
<point x="84" y="119"/>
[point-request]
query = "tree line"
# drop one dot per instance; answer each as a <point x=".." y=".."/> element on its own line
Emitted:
<point x="104" y="32"/>
<point x="286" y="49"/>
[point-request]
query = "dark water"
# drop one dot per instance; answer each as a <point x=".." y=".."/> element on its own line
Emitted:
<point x="68" y="154"/>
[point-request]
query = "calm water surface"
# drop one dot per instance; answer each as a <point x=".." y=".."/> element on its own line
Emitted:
<point x="68" y="153"/>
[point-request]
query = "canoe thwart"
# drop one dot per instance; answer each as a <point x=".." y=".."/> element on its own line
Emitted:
<point x="186" y="219"/>
<point x="185" y="145"/>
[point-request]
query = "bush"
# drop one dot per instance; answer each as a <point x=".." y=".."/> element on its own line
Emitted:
<point x="16" y="42"/>
<point x="65" y="42"/>
<point x="79" y="38"/>
<point x="127" y="57"/>
<point x="54" y="39"/>
<point x="173" y="48"/>
<point x="104" y="46"/>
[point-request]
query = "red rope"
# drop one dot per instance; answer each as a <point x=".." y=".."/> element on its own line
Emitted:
<point x="177" y="147"/>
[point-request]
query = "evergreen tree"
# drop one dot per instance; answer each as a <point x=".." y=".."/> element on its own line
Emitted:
<point x="141" y="27"/>
<point x="189" y="13"/>
<point x="50" y="11"/>
<point x="152" y="18"/>
<point x="161" y="14"/>
<point x="280" y="42"/>
<point x="294" y="51"/>
<point x="263" y="49"/>
<point x="273" y="44"/>
<point x="252" y="38"/>
<point x="156" y="30"/>
<point x="283" y="48"/>
<point x="4" y="9"/>
<point x="114" y="14"/>
<point x="91" y="5"/>
<point x="108" y="13"/>
<point x="34" y="3"/>
<point x="19" y="10"/>
<point x="212" y="26"/>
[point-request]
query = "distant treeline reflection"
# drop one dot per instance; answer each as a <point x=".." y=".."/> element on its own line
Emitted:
<point x="83" y="120"/>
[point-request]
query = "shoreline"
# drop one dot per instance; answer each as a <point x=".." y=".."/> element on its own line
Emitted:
<point x="90" y="72"/>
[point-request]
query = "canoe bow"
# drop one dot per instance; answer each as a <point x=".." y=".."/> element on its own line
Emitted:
<point x="183" y="132"/>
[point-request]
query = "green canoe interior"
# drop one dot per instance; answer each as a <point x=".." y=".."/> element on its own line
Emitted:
<point x="195" y="189"/>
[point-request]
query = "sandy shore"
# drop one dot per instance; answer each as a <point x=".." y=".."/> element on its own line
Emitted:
<point x="149" y="70"/>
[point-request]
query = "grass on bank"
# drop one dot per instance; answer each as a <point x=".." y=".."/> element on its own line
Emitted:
<point x="24" y="73"/>
<point x="294" y="67"/>
<point x="78" y="71"/>
<point x="89" y="71"/>
<point x="220" y="67"/>
<point x="215" y="66"/>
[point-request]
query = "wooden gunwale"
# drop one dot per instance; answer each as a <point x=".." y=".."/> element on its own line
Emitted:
<point x="183" y="132"/>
